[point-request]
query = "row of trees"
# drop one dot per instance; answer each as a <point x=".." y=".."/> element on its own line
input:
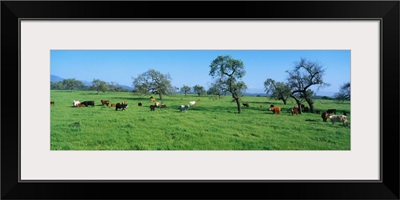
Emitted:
<point x="97" y="85"/>
<point x="227" y="74"/>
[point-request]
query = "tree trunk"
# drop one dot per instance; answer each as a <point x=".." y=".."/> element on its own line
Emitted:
<point x="284" y="101"/>
<point x="236" y="97"/>
<point x="298" y="103"/>
<point x="311" y="104"/>
<point x="160" y="95"/>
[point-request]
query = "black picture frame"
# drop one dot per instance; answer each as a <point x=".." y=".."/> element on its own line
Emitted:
<point x="386" y="11"/>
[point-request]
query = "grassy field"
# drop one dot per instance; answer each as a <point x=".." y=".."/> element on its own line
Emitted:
<point x="212" y="125"/>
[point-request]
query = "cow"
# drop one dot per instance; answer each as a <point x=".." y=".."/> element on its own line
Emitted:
<point x="153" y="107"/>
<point x="120" y="106"/>
<point x="295" y="110"/>
<point x="338" y="118"/>
<point x="105" y="102"/>
<point x="324" y="116"/>
<point x="330" y="111"/>
<point x="80" y="105"/>
<point x="51" y="102"/>
<point x="140" y="103"/>
<point x="183" y="107"/>
<point x="88" y="103"/>
<point x="275" y="110"/>
<point x="246" y="104"/>
<point x="75" y="103"/>
<point x="344" y="113"/>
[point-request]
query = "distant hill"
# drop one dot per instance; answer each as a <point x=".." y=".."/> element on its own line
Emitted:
<point x="54" y="78"/>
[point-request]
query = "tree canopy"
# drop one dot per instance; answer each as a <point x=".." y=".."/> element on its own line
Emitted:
<point x="154" y="82"/>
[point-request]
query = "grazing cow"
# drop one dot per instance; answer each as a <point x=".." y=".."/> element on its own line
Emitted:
<point x="324" y="116"/>
<point x="295" y="110"/>
<point x="246" y="104"/>
<point x="113" y="105"/>
<point x="153" y="100"/>
<point x="153" y="107"/>
<point x="330" y="111"/>
<point x="75" y="103"/>
<point x="51" y="102"/>
<point x="192" y="103"/>
<point x="140" y="103"/>
<point x="339" y="118"/>
<point x="198" y="100"/>
<point x="120" y="106"/>
<point x="184" y="107"/>
<point x="105" y="102"/>
<point x="80" y="105"/>
<point x="275" y="110"/>
<point x="88" y="103"/>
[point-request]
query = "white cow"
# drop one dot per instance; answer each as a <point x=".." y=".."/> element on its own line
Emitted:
<point x="76" y="103"/>
<point x="338" y="118"/>
<point x="192" y="103"/>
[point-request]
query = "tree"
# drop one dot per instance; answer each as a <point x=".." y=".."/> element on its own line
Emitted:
<point x="344" y="93"/>
<point x="228" y="71"/>
<point x="185" y="89"/>
<point x="99" y="85"/>
<point x="199" y="90"/>
<point x="154" y="82"/>
<point x="304" y="75"/>
<point x="217" y="88"/>
<point x="278" y="90"/>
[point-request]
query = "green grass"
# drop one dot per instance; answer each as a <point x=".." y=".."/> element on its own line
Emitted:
<point x="211" y="125"/>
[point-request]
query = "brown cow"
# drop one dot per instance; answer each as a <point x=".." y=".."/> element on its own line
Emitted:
<point x="295" y="110"/>
<point x="275" y="110"/>
<point x="105" y="102"/>
<point x="140" y="103"/>
<point x="324" y="116"/>
<point x="51" y="102"/>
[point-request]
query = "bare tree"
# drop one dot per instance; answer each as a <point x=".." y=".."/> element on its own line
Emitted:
<point x="304" y="75"/>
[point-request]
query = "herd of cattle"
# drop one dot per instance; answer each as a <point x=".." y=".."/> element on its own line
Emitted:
<point x="330" y="113"/>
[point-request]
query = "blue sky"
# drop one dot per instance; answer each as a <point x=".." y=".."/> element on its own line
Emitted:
<point x="191" y="67"/>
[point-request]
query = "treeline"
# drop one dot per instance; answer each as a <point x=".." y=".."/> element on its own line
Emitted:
<point x="97" y="85"/>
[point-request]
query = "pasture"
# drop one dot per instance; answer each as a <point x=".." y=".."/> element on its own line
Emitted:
<point x="211" y="125"/>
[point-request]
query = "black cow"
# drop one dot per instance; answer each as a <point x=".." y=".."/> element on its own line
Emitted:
<point x="120" y="106"/>
<point x="88" y="103"/>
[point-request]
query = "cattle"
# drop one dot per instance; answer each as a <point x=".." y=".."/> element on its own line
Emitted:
<point x="113" y="105"/>
<point x="330" y="111"/>
<point x="339" y="118"/>
<point x="80" y="105"/>
<point x="120" y="106"/>
<point x="198" y="100"/>
<point x="275" y="110"/>
<point x="153" y="107"/>
<point x="246" y="104"/>
<point x="51" y="102"/>
<point x="192" y="103"/>
<point x="295" y="110"/>
<point x="105" y="102"/>
<point x="260" y="107"/>
<point x="75" y="103"/>
<point x="140" y="104"/>
<point x="88" y="103"/>
<point x="183" y="107"/>
<point x="324" y="116"/>
<point x="153" y="100"/>
<point x="344" y="113"/>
